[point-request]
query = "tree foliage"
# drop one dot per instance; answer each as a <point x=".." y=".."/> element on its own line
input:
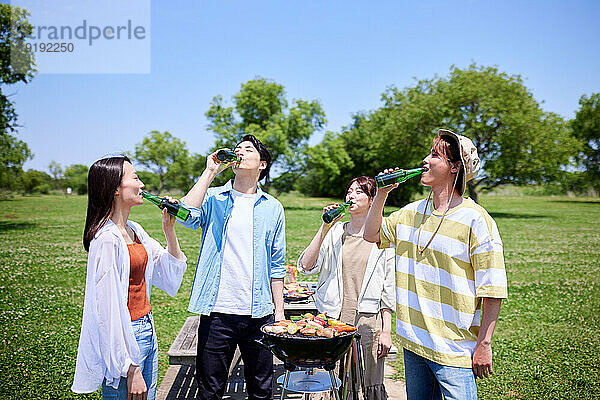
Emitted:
<point x="586" y="128"/>
<point x="167" y="157"/>
<point x="16" y="65"/>
<point x="33" y="181"/>
<point x="58" y="175"/>
<point x="261" y="108"/>
<point x="13" y="153"/>
<point x="395" y="135"/>
<point x="327" y="166"/>
<point x="75" y="177"/>
<point x="517" y="141"/>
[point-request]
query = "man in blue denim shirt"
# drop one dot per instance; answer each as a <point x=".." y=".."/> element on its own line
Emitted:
<point x="240" y="271"/>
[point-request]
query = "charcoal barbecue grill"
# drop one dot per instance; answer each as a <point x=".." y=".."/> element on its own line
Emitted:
<point x="302" y="351"/>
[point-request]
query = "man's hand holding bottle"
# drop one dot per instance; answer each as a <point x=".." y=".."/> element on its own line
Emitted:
<point x="220" y="160"/>
<point x="387" y="189"/>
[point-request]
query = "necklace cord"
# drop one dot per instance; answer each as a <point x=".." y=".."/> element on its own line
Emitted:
<point x="441" y="220"/>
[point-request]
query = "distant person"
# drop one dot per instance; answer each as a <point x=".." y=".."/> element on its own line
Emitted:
<point x="238" y="285"/>
<point x="450" y="275"/>
<point x="356" y="281"/>
<point x="118" y="350"/>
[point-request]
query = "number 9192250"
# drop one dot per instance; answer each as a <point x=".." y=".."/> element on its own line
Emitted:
<point x="50" y="47"/>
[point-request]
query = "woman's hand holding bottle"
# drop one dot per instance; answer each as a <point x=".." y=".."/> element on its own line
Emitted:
<point x="330" y="207"/>
<point x="168" y="221"/>
<point x="333" y="213"/>
<point x="168" y="225"/>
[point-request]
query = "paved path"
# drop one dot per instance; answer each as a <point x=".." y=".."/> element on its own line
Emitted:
<point x="395" y="389"/>
<point x="179" y="384"/>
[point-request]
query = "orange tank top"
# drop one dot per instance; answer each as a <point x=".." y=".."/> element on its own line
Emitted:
<point x="137" y="303"/>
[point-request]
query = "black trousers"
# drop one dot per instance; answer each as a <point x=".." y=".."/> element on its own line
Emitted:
<point x="218" y="336"/>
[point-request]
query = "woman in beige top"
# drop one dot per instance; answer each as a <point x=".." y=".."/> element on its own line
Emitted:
<point x="356" y="281"/>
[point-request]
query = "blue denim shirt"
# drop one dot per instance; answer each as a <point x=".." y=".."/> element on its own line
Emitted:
<point x="268" y="245"/>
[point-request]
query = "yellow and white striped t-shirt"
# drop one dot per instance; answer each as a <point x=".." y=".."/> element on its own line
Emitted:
<point x="438" y="293"/>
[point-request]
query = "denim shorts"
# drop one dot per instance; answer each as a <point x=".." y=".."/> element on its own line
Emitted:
<point x="143" y="328"/>
<point x="426" y="379"/>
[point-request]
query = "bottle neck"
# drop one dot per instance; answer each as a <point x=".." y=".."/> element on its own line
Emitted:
<point x="414" y="171"/>
<point x="151" y="198"/>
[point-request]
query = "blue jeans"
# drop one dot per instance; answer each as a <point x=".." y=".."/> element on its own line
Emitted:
<point x="146" y="340"/>
<point x="427" y="380"/>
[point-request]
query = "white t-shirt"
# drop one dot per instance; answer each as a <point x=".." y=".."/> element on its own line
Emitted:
<point x="235" y="286"/>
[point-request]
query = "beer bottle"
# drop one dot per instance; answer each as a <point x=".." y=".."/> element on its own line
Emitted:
<point x="333" y="214"/>
<point x="227" y="156"/>
<point x="398" y="176"/>
<point x="176" y="210"/>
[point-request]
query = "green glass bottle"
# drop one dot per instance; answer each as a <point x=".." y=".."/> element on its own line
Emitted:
<point x="398" y="176"/>
<point x="227" y="156"/>
<point x="176" y="210"/>
<point x="333" y="214"/>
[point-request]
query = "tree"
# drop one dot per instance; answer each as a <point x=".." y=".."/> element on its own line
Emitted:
<point x="395" y="135"/>
<point x="33" y="181"/>
<point x="516" y="140"/>
<point x="13" y="153"/>
<point x="76" y="178"/>
<point x="167" y="157"/>
<point x="150" y="179"/>
<point x="57" y="174"/>
<point x="586" y="128"/>
<point x="16" y="65"/>
<point x="261" y="108"/>
<point x="327" y="166"/>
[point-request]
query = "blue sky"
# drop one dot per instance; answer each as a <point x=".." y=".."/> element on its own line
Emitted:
<point x="343" y="54"/>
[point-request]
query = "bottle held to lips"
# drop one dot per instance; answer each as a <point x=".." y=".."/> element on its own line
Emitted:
<point x="227" y="156"/>
<point x="398" y="176"/>
<point x="333" y="214"/>
<point x="176" y="210"/>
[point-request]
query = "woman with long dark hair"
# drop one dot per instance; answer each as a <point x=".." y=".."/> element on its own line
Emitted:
<point x="118" y="350"/>
<point x="356" y="281"/>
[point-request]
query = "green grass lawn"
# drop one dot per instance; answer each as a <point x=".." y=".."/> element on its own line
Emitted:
<point x="546" y="345"/>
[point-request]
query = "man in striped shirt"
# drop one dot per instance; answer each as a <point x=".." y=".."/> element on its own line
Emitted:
<point x="450" y="275"/>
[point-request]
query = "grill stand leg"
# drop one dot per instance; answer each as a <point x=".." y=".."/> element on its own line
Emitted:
<point x="286" y="380"/>
<point x="334" y="385"/>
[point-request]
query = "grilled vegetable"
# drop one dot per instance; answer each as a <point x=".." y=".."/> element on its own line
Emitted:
<point x="311" y="325"/>
<point x="309" y="330"/>
<point x="292" y="328"/>
<point x="344" y="328"/>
